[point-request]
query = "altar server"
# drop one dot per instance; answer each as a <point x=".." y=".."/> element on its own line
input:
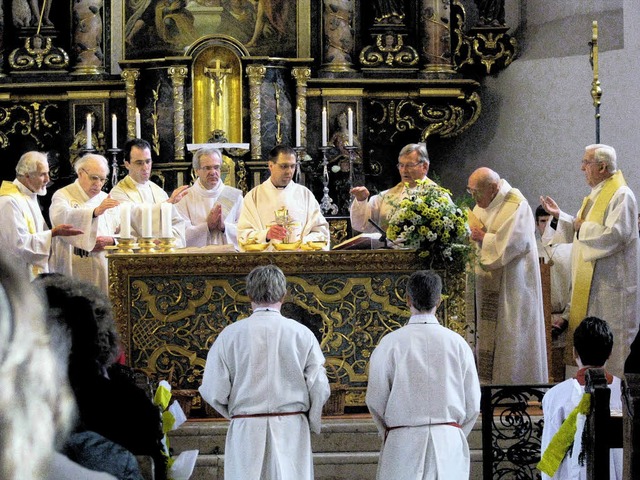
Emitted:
<point x="139" y="190"/>
<point x="84" y="205"/>
<point x="423" y="392"/>
<point x="605" y="251"/>
<point x="511" y="333"/>
<point x="210" y="208"/>
<point x="24" y="232"/>
<point x="299" y="219"/>
<point x="266" y="373"/>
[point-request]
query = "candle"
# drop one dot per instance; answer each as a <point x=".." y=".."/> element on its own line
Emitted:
<point x="165" y="220"/>
<point x="138" y="134"/>
<point x="114" y="131"/>
<point x="146" y="220"/>
<point x="88" y="131"/>
<point x="298" y="127"/>
<point x="324" y="126"/>
<point x="350" y="117"/>
<point x="125" y="220"/>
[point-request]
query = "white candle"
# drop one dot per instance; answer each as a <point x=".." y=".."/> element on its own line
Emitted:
<point x="324" y="126"/>
<point x="298" y="127"/>
<point x="114" y="131"/>
<point x="88" y="131"/>
<point x="125" y="220"/>
<point x="166" y="209"/>
<point x="350" y="123"/>
<point x="138" y="134"/>
<point x="145" y="208"/>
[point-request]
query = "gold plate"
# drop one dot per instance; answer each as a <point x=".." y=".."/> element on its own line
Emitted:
<point x="255" y="247"/>
<point x="313" y="245"/>
<point x="287" y="246"/>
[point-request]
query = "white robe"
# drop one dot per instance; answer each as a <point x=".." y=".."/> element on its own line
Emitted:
<point x="520" y="352"/>
<point x="258" y="214"/>
<point x="195" y="207"/>
<point x="267" y="363"/>
<point x="614" y="285"/>
<point x="73" y="206"/>
<point x="557" y="404"/>
<point x="33" y="248"/>
<point x="137" y="196"/>
<point x="559" y="257"/>
<point x="419" y="375"/>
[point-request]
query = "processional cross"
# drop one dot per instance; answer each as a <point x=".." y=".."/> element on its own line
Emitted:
<point x="596" y="91"/>
<point x="217" y="74"/>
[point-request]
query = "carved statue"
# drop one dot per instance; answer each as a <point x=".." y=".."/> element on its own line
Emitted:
<point x="87" y="36"/>
<point x="26" y="13"/>
<point x="491" y="12"/>
<point x="388" y="11"/>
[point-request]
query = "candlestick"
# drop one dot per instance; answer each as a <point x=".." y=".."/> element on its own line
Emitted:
<point x="350" y="123"/>
<point x="298" y="127"/>
<point x="166" y="210"/>
<point x="138" y="133"/>
<point x="146" y="220"/>
<point x="114" y="131"/>
<point x="125" y="220"/>
<point x="88" y="131"/>
<point x="324" y="126"/>
<point x="326" y="204"/>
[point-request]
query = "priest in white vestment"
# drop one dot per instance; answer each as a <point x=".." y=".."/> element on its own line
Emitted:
<point x="605" y="251"/>
<point x="24" y="232"/>
<point x="84" y="205"/>
<point x="511" y="347"/>
<point x="266" y="373"/>
<point x="302" y="220"/>
<point x="140" y="191"/>
<point x="423" y="392"/>
<point x="210" y="208"/>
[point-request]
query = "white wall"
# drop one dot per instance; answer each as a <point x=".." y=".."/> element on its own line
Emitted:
<point x="538" y="114"/>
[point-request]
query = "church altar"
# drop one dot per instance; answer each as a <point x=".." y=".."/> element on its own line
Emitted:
<point x="170" y="307"/>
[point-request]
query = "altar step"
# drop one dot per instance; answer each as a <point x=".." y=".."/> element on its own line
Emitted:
<point x="347" y="448"/>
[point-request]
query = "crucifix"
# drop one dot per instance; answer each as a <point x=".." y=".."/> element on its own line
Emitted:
<point x="217" y="74"/>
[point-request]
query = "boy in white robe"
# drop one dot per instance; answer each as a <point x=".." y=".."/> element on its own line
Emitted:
<point x="423" y="392"/>
<point x="266" y="373"/>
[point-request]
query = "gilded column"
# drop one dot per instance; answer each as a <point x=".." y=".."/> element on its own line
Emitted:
<point x="256" y="75"/>
<point x="178" y="74"/>
<point x="87" y="37"/>
<point x="435" y="37"/>
<point x="302" y="75"/>
<point x="338" y="38"/>
<point x="130" y="76"/>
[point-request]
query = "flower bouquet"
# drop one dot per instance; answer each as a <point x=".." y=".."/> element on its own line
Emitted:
<point x="429" y="221"/>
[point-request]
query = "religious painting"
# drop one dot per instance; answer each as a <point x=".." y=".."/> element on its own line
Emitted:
<point x="87" y="117"/>
<point x="165" y="27"/>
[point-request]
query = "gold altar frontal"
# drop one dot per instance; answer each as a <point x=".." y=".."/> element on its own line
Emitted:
<point x="170" y="307"/>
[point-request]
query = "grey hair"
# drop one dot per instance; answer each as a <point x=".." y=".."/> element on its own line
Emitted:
<point x="421" y="148"/>
<point x="205" y="152"/>
<point x="424" y="289"/>
<point x="266" y="285"/>
<point x="29" y="162"/>
<point x="82" y="161"/>
<point x="604" y="154"/>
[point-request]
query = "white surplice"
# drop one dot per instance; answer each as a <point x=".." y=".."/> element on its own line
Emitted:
<point x="73" y="255"/>
<point x="557" y="404"/>
<point x="520" y="353"/>
<point x="128" y="190"/>
<point x="613" y="247"/>
<point x="32" y="245"/>
<point x="258" y="214"/>
<point x="558" y="256"/>
<point x="267" y="364"/>
<point x="420" y="375"/>
<point x="195" y="207"/>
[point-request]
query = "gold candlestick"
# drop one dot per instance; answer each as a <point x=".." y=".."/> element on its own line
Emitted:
<point x="166" y="244"/>
<point x="147" y="245"/>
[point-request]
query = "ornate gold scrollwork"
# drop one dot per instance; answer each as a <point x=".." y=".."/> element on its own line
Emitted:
<point x="177" y="75"/>
<point x="37" y="54"/>
<point x="256" y="75"/>
<point x="389" y="50"/>
<point x="130" y="76"/>
<point x="27" y="120"/>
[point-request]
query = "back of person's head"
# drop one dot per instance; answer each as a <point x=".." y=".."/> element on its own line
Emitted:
<point x="593" y="341"/>
<point x="36" y="404"/>
<point x="424" y="290"/>
<point x="29" y="162"/>
<point x="266" y="285"/>
<point x="134" y="142"/>
<point x="280" y="150"/>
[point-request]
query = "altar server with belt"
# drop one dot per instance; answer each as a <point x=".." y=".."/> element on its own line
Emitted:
<point x="84" y="205"/>
<point x="266" y="373"/>
<point x="139" y="190"/>
<point x="24" y="232"/>
<point x="299" y="218"/>
<point x="605" y="252"/>
<point x="210" y="208"/>
<point x="511" y="346"/>
<point x="423" y="392"/>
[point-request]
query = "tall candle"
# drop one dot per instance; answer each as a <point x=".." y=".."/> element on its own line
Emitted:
<point x="298" y="127"/>
<point x="350" y="117"/>
<point x="125" y="220"/>
<point x="146" y="220"/>
<point x="324" y="126"/>
<point x="138" y="134"/>
<point x="114" y="131"/>
<point x="88" y="131"/>
<point x="166" y="210"/>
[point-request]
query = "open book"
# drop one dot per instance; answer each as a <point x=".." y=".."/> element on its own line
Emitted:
<point x="364" y="241"/>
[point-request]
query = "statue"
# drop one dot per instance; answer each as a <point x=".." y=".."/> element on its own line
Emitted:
<point x="388" y="11"/>
<point x="26" y="13"/>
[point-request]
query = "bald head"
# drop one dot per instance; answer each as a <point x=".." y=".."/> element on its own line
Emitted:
<point x="483" y="186"/>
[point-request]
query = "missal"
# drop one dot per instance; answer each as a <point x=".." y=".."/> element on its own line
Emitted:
<point x="364" y="241"/>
